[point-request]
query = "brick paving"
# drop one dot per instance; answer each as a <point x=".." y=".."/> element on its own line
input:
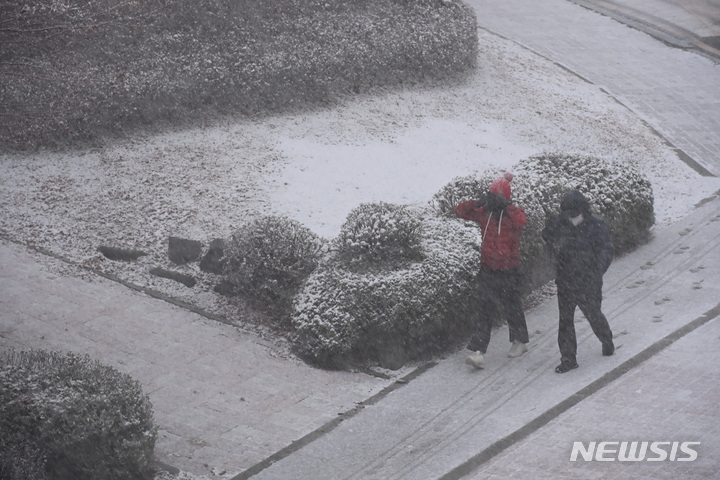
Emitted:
<point x="672" y="397"/>
<point x="673" y="90"/>
<point x="224" y="399"/>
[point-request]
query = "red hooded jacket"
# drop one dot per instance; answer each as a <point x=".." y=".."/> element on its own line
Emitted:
<point x="501" y="237"/>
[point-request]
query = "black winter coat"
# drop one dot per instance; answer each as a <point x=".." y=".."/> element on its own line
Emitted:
<point x="583" y="252"/>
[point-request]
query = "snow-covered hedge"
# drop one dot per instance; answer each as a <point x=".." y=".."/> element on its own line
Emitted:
<point x="376" y="232"/>
<point x="269" y="258"/>
<point x="354" y="308"/>
<point x="98" y="68"/>
<point x="617" y="192"/>
<point x="65" y="416"/>
<point x="391" y="313"/>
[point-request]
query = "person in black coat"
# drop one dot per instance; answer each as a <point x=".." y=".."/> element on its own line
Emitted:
<point x="584" y="251"/>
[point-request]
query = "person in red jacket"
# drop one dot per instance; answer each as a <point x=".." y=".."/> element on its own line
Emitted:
<point x="501" y="223"/>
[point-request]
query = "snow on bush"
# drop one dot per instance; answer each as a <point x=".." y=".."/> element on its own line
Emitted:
<point x="379" y="232"/>
<point x="65" y="416"/>
<point x="618" y="193"/>
<point x="350" y="314"/>
<point x="269" y="258"/>
<point x="96" y="69"/>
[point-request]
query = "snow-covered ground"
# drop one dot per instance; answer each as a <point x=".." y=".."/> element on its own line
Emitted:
<point x="400" y="146"/>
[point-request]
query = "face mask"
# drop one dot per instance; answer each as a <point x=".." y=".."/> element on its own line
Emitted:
<point x="577" y="220"/>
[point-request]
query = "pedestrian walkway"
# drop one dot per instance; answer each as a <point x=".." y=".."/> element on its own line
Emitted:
<point x="672" y="397"/>
<point x="685" y="24"/>
<point x="224" y="399"/>
<point x="452" y="418"/>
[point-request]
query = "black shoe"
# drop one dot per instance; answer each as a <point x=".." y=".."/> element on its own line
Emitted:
<point x="608" y="350"/>
<point x="565" y="366"/>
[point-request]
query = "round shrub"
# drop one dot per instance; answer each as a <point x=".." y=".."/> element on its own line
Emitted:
<point x="269" y="258"/>
<point x="223" y="56"/>
<point x="379" y="232"/>
<point x="391" y="315"/>
<point x="66" y="416"/>
<point x="618" y="193"/>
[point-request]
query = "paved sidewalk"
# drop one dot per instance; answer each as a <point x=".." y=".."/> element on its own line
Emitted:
<point x="224" y="399"/>
<point x="687" y="24"/>
<point x="452" y="418"/>
<point x="672" y="397"/>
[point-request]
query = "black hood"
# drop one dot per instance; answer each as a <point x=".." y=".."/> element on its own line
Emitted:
<point x="575" y="201"/>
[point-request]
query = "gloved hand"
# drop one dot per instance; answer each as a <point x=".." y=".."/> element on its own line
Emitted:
<point x="481" y="202"/>
<point x="496" y="203"/>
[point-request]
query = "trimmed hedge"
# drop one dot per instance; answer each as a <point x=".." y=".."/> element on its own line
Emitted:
<point x="357" y="309"/>
<point x="99" y="68"/>
<point x="617" y="192"/>
<point x="66" y="416"/>
<point x="379" y="232"/>
<point x="346" y="314"/>
<point x="269" y="258"/>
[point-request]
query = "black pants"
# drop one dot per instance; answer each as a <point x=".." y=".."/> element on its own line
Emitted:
<point x="589" y="299"/>
<point x="501" y="291"/>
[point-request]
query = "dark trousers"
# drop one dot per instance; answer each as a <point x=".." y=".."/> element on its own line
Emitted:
<point x="589" y="299"/>
<point x="501" y="290"/>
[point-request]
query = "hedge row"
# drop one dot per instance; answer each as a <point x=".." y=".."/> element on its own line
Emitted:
<point x="401" y="283"/>
<point x="81" y="71"/>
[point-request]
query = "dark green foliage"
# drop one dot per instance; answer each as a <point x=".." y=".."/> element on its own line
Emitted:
<point x="269" y="258"/>
<point x="379" y="232"/>
<point x="349" y="314"/>
<point x="102" y="68"/>
<point x="617" y="193"/>
<point x="359" y="310"/>
<point x="65" y="416"/>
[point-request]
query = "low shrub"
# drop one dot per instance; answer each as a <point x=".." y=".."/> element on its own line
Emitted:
<point x="66" y="416"/>
<point x="618" y="193"/>
<point x="269" y="258"/>
<point x="390" y="315"/>
<point x="379" y="232"/>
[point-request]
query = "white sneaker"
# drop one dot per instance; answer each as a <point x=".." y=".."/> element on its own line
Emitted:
<point x="476" y="360"/>
<point x="517" y="349"/>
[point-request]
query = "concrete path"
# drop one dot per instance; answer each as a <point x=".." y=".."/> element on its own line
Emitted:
<point x="687" y="24"/>
<point x="230" y="404"/>
<point x="449" y="421"/>
<point x="671" y="397"/>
